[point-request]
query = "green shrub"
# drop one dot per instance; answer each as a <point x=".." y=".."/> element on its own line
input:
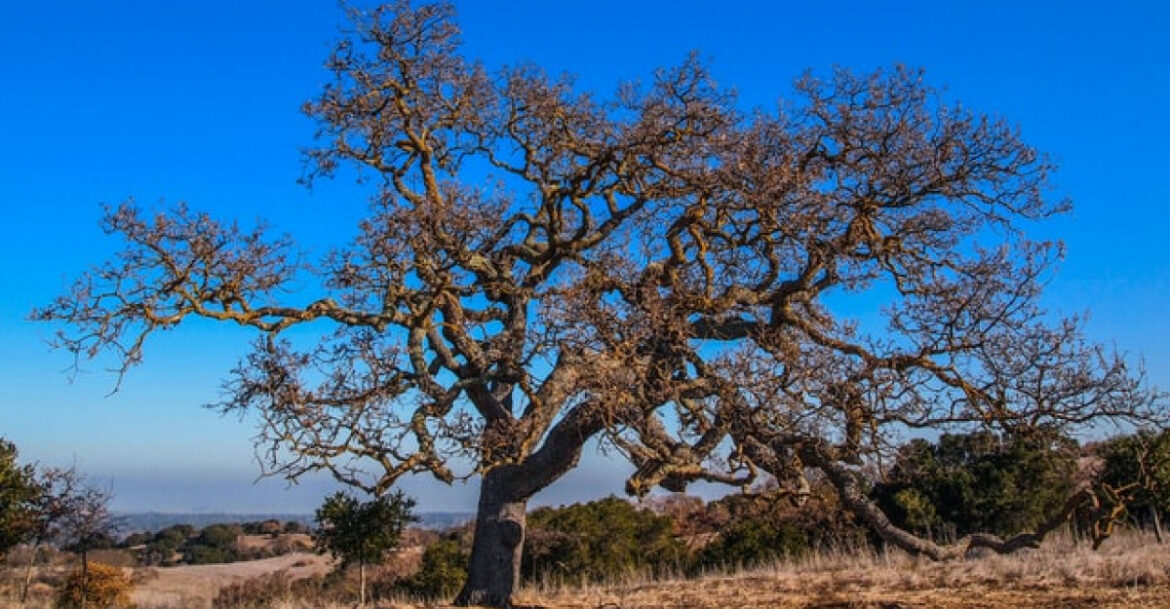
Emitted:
<point x="753" y="541"/>
<point x="220" y="535"/>
<point x="599" y="540"/>
<point x="978" y="482"/>
<point x="442" y="573"/>
<point x="767" y="525"/>
<point x="197" y="554"/>
<point x="1141" y="459"/>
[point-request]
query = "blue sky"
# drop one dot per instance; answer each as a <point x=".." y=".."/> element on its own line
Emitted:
<point x="199" y="101"/>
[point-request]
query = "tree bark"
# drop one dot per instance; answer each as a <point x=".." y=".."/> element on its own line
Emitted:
<point x="493" y="573"/>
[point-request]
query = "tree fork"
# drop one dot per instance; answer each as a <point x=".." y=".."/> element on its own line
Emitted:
<point x="630" y="231"/>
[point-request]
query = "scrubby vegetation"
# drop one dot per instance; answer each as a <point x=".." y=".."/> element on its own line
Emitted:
<point x="97" y="585"/>
<point x="441" y="572"/>
<point x="945" y="489"/>
<point x="264" y="591"/>
<point x="959" y="484"/>
<point x="216" y="543"/>
<point x="599" y="540"/>
<point x="1135" y="471"/>
<point x="942" y="489"/>
<point x="965" y="483"/>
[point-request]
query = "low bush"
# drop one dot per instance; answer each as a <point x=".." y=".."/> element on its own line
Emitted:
<point x="441" y="573"/>
<point x="751" y="542"/>
<point x="599" y="540"/>
<point x="102" y="586"/>
<point x="966" y="483"/>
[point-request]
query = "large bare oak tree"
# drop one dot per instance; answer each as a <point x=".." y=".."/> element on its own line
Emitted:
<point x="658" y="270"/>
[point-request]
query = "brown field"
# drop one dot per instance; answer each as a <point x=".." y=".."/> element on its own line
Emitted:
<point x="261" y="542"/>
<point x="1129" y="571"/>
<point x="193" y="586"/>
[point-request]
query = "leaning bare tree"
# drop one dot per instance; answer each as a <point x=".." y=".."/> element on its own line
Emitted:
<point x="659" y="271"/>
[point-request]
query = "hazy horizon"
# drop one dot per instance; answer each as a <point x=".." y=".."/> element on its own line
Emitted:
<point x="245" y="494"/>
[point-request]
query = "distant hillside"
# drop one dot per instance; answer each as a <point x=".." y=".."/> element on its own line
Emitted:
<point x="156" y="521"/>
<point x="444" y="520"/>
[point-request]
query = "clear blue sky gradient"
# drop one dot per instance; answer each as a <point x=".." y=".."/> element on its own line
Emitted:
<point x="199" y="101"/>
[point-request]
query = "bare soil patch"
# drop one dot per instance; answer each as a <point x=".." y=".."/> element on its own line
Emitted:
<point x="195" y="585"/>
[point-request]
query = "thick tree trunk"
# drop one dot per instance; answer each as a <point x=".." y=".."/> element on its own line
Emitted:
<point x="493" y="573"/>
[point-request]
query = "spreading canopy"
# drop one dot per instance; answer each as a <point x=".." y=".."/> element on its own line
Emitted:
<point x="661" y="268"/>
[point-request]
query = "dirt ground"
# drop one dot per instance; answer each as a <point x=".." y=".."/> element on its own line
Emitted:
<point x="196" y="585"/>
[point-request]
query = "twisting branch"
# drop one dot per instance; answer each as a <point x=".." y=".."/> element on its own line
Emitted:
<point x="659" y="269"/>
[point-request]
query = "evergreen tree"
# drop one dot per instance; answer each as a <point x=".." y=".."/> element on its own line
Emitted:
<point x="362" y="533"/>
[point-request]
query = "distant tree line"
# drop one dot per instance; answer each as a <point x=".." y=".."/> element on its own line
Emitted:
<point x="216" y="543"/>
<point x="157" y="521"/>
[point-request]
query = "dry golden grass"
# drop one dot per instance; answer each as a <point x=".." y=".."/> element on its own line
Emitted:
<point x="193" y="586"/>
<point x="1129" y="571"/>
